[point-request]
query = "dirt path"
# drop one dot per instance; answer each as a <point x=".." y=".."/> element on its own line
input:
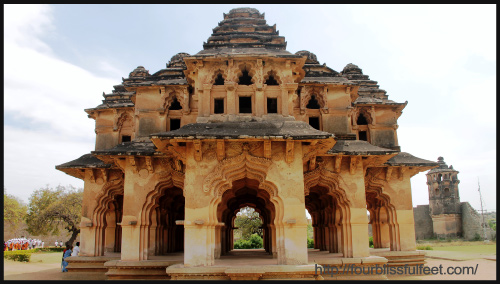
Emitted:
<point x="485" y="264"/>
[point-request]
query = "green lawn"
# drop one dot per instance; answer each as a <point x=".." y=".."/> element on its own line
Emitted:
<point x="473" y="248"/>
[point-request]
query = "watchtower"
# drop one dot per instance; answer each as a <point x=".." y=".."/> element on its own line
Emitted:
<point x="444" y="200"/>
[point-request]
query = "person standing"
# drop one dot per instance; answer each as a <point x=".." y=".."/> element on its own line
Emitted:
<point x="57" y="244"/>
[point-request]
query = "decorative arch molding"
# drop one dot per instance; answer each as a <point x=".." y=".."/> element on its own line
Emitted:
<point x="121" y="119"/>
<point x="238" y="167"/>
<point x="383" y="201"/>
<point x="167" y="180"/>
<point x="252" y="70"/>
<point x="367" y="112"/>
<point x="319" y="93"/>
<point x="180" y="94"/>
<point x="275" y="75"/>
<point x="107" y="195"/>
<point x="216" y="73"/>
<point x="325" y="178"/>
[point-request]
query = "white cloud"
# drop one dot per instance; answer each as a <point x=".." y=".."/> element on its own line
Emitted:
<point x="44" y="99"/>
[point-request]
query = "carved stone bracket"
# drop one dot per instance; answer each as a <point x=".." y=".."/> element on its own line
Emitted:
<point x="220" y="150"/>
<point x="388" y="173"/>
<point x="149" y="164"/>
<point x="338" y="163"/>
<point x="197" y="150"/>
<point x="289" y="151"/>
<point x="355" y="161"/>
<point x="133" y="163"/>
<point x="267" y="149"/>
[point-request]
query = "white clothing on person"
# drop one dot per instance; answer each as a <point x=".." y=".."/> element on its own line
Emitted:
<point x="76" y="251"/>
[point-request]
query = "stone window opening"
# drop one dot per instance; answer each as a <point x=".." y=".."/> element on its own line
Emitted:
<point x="175" y="123"/>
<point x="440" y="177"/>
<point x="245" y="104"/>
<point x="218" y="106"/>
<point x="447" y="191"/>
<point x="362" y="120"/>
<point x="126" y="138"/>
<point x="175" y="105"/>
<point x="313" y="103"/>
<point x="219" y="80"/>
<point x="245" y="78"/>
<point x="314" y="122"/>
<point x="272" y="105"/>
<point x="271" y="81"/>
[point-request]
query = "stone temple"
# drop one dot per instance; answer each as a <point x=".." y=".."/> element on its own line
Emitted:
<point x="244" y="122"/>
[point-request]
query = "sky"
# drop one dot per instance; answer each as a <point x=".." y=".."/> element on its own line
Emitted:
<point x="59" y="59"/>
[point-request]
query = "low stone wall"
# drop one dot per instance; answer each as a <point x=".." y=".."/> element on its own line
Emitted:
<point x="471" y="223"/>
<point x="423" y="222"/>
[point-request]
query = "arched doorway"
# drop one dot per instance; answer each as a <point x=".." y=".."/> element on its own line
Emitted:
<point x="245" y="192"/>
<point x="107" y="219"/>
<point x="382" y="219"/>
<point x="160" y="229"/>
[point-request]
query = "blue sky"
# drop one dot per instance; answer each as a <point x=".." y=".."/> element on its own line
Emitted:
<point x="59" y="59"/>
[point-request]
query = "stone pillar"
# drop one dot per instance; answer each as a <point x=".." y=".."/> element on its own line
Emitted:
<point x="260" y="104"/>
<point x="354" y="179"/>
<point x="109" y="234"/>
<point x="231" y="97"/>
<point x="204" y="111"/>
<point x="292" y="229"/>
<point x="135" y="235"/>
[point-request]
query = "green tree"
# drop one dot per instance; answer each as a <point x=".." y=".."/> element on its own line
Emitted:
<point x="14" y="211"/>
<point x="49" y="209"/>
<point x="249" y="222"/>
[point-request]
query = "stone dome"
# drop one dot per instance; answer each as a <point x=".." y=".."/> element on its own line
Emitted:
<point x="352" y="69"/>
<point x="177" y="60"/>
<point x="311" y="57"/>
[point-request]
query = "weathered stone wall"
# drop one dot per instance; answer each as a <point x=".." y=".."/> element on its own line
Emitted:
<point x="423" y="222"/>
<point x="471" y="223"/>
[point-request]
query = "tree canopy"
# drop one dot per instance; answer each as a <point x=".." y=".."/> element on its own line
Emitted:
<point x="49" y="208"/>
<point x="248" y="221"/>
<point x="14" y="211"/>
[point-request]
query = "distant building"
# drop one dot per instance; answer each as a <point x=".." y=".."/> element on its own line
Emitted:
<point x="446" y="216"/>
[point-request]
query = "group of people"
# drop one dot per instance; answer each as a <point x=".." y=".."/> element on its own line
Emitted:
<point x="69" y="251"/>
<point x="22" y="244"/>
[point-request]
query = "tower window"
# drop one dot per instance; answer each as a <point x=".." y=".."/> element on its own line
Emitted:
<point x="218" y="105"/>
<point x="126" y="138"/>
<point x="313" y="103"/>
<point x="245" y="104"/>
<point x="219" y="80"/>
<point x="314" y="122"/>
<point x="175" y="123"/>
<point x="361" y="120"/>
<point x="245" y="79"/>
<point x="363" y="136"/>
<point x="271" y="81"/>
<point x="175" y="105"/>
<point x="272" y="105"/>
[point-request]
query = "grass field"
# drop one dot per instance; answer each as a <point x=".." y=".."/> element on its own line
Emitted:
<point x="46" y="257"/>
<point x="470" y="248"/>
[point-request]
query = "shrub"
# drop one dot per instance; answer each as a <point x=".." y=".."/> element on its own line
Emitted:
<point x="18" y="255"/>
<point x="310" y="243"/>
<point x="254" y="242"/>
<point x="477" y="237"/>
<point x="370" y="241"/>
<point x="424" y="247"/>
